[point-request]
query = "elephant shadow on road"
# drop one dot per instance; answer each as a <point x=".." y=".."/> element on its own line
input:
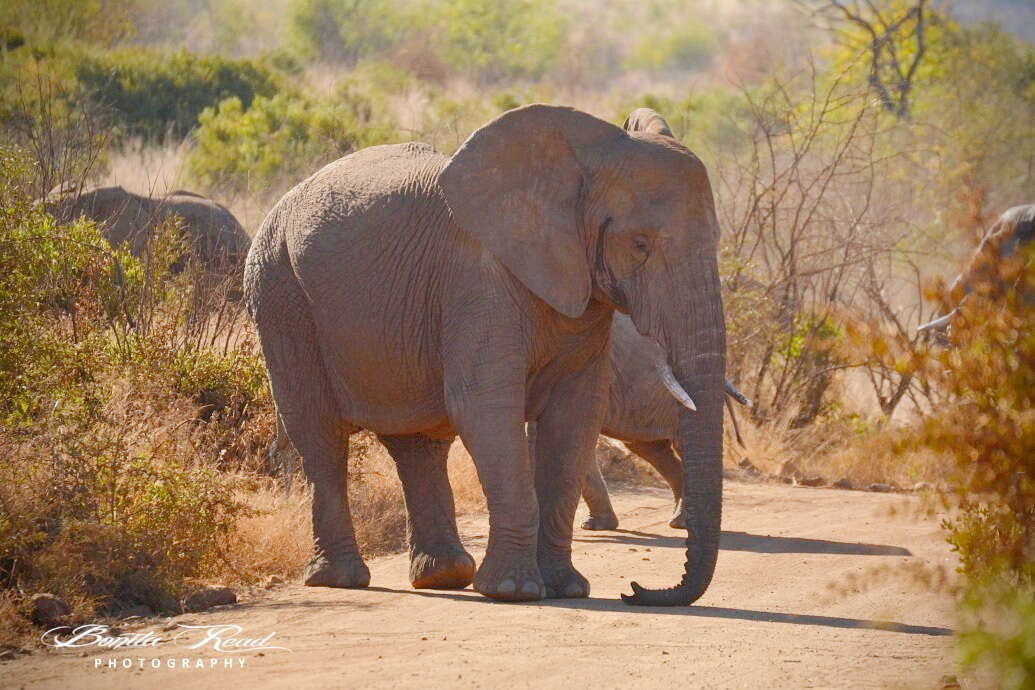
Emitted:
<point x="743" y="541"/>
<point x="616" y="606"/>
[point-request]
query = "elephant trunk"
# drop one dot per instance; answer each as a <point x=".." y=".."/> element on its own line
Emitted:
<point x="698" y="363"/>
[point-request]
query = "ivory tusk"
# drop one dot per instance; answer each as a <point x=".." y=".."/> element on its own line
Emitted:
<point x="669" y="379"/>
<point x="732" y="391"/>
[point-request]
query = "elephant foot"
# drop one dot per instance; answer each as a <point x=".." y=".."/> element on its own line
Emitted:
<point x="510" y="578"/>
<point x="601" y="522"/>
<point x="348" y="572"/>
<point x="678" y="520"/>
<point x="563" y="581"/>
<point x="451" y="568"/>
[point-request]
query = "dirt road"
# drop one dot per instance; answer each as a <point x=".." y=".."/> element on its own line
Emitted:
<point x="768" y="621"/>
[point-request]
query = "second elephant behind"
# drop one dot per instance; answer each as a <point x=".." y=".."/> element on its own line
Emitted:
<point x="643" y="412"/>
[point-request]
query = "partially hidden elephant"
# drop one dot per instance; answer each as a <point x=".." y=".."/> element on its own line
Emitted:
<point x="1013" y="229"/>
<point x="643" y="410"/>
<point x="212" y="231"/>
<point x="423" y="297"/>
<point x="644" y="398"/>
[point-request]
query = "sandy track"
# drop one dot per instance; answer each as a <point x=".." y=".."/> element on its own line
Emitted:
<point x="768" y="620"/>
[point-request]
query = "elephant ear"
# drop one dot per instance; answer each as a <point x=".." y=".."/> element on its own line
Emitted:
<point x="647" y="120"/>
<point x="515" y="186"/>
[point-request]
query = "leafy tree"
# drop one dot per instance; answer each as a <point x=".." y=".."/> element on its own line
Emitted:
<point x="341" y="30"/>
<point x="153" y="93"/>
<point x="499" y="38"/>
<point x="45" y="22"/>
<point x="893" y="36"/>
<point x="277" y="141"/>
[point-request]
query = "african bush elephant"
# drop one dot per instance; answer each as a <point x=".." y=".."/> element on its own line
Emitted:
<point x="643" y="409"/>
<point x="214" y="233"/>
<point x="423" y="297"/>
<point x="644" y="398"/>
<point x="1013" y="229"/>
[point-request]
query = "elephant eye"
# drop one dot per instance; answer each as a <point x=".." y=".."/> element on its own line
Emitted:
<point x="642" y="243"/>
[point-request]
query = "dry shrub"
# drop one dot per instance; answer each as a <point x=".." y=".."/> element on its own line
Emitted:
<point x="273" y="538"/>
<point x="986" y="433"/>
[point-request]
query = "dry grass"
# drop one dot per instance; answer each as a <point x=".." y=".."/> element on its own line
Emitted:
<point x="835" y="450"/>
<point x="276" y="537"/>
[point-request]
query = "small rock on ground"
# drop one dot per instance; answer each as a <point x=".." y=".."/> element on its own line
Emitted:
<point x="213" y="595"/>
<point x="923" y="486"/>
<point x="749" y="469"/>
<point x="140" y="611"/>
<point x="844" y="483"/>
<point x="881" y="488"/>
<point x="49" y="610"/>
<point x="811" y="481"/>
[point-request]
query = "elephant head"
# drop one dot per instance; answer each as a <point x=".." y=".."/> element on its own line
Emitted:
<point x="1012" y="231"/>
<point x="578" y="210"/>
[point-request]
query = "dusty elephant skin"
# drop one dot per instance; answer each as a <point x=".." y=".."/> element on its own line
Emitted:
<point x="216" y="236"/>
<point x="415" y="295"/>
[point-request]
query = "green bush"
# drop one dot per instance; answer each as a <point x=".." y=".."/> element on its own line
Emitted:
<point x="686" y="46"/>
<point x="278" y="141"/>
<point x="498" y="38"/>
<point x="341" y="30"/>
<point x="154" y="94"/>
<point x="109" y="489"/>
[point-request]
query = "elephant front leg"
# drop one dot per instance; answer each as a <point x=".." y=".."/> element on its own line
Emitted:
<point x="437" y="558"/>
<point x="566" y="434"/>
<point x="494" y="434"/>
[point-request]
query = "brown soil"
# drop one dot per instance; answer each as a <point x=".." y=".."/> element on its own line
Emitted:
<point x="769" y="620"/>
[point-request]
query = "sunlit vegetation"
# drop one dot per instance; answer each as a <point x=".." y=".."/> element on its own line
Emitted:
<point x="856" y="153"/>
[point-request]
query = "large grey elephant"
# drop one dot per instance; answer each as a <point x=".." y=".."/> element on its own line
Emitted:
<point x="213" y="232"/>
<point x="424" y="297"/>
<point x="1015" y="228"/>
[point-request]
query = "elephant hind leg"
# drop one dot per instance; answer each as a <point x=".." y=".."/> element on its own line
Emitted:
<point x="594" y="491"/>
<point x="310" y="415"/>
<point x="663" y="458"/>
<point x="437" y="558"/>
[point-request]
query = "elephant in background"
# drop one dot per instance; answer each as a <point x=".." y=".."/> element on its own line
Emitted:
<point x="212" y="231"/>
<point x="1013" y="229"/>
<point x="643" y="412"/>
<point x="424" y="297"/>
<point x="645" y="399"/>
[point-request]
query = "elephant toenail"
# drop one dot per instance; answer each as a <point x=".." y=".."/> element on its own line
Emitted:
<point x="573" y="590"/>
<point x="507" y="586"/>
<point x="531" y="589"/>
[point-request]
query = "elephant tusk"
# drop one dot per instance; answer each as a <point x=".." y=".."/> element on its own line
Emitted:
<point x="677" y="391"/>
<point x="732" y="391"/>
<point x="736" y="425"/>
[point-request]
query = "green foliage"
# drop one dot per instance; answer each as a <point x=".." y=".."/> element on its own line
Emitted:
<point x="683" y="46"/>
<point x="45" y="22"/>
<point x="494" y="39"/>
<point x="341" y="30"/>
<point x="153" y="94"/>
<point x="105" y="495"/>
<point x="1000" y="634"/>
<point x="279" y="140"/>
<point x="48" y="274"/>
